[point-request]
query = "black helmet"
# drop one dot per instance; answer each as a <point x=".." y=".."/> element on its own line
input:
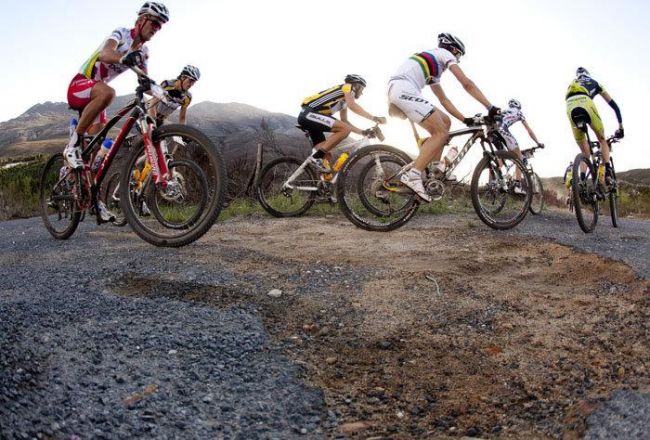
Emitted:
<point x="448" y="41"/>
<point x="355" y="79"/>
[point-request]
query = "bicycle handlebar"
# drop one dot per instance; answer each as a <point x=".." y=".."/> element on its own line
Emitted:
<point x="480" y="119"/>
<point x="153" y="87"/>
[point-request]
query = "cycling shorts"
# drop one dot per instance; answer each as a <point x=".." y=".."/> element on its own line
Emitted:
<point x="508" y="139"/>
<point x="584" y="102"/>
<point x="409" y="99"/>
<point x="79" y="94"/>
<point x="316" y="124"/>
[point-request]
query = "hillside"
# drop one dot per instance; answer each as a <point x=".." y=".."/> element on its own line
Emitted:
<point x="237" y="128"/>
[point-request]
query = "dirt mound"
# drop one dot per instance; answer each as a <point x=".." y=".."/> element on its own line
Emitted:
<point x="439" y="331"/>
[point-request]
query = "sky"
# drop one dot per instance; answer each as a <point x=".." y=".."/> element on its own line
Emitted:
<point x="272" y="54"/>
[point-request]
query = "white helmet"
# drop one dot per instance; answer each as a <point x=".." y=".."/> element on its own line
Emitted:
<point x="581" y="71"/>
<point x="155" y="9"/>
<point x="447" y="41"/>
<point x="191" y="72"/>
<point x="514" y="104"/>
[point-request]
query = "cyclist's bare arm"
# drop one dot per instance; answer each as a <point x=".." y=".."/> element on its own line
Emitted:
<point x="344" y="118"/>
<point x="445" y="102"/>
<point x="152" y="104"/>
<point x="108" y="54"/>
<point x="352" y="105"/>
<point x="469" y="85"/>
<point x="182" y="117"/>
<point x="530" y="131"/>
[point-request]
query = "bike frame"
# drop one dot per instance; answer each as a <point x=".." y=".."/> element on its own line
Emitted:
<point x="477" y="133"/>
<point x="354" y="146"/>
<point x="155" y="152"/>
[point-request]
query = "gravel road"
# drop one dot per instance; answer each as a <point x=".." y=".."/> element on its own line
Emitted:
<point x="79" y="362"/>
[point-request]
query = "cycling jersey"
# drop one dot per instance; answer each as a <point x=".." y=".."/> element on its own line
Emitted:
<point x="425" y="67"/>
<point x="580" y="93"/>
<point x="328" y="102"/>
<point x="177" y="98"/>
<point x="510" y="116"/>
<point x="584" y="85"/>
<point x="100" y="71"/>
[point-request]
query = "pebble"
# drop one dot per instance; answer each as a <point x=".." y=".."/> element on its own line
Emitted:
<point x="275" y="293"/>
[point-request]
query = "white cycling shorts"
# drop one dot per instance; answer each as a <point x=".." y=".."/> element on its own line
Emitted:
<point x="511" y="142"/>
<point x="409" y="99"/>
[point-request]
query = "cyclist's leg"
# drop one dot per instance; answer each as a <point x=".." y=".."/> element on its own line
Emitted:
<point x="513" y="146"/>
<point x="599" y="129"/>
<point x="437" y="124"/>
<point x="409" y="100"/>
<point x="578" y="104"/>
<point x="101" y="97"/>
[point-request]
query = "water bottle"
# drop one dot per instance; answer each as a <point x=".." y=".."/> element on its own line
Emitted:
<point x="73" y="126"/>
<point x="106" y="146"/>
<point x="451" y="155"/>
<point x="340" y="161"/>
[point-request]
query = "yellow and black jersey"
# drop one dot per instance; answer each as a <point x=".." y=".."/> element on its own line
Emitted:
<point x="179" y="98"/>
<point x="329" y="101"/>
<point x="585" y="86"/>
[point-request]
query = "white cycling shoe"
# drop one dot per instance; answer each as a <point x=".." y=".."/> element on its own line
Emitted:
<point x="413" y="180"/>
<point x="72" y="155"/>
<point x="104" y="214"/>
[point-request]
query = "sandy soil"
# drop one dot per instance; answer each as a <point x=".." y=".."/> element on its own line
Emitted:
<point x="443" y="330"/>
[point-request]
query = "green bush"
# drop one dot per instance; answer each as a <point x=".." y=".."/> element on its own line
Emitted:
<point x="19" y="188"/>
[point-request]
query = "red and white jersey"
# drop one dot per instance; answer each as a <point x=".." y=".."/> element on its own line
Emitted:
<point x="99" y="71"/>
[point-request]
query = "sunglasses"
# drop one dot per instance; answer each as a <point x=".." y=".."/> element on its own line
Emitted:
<point x="155" y="24"/>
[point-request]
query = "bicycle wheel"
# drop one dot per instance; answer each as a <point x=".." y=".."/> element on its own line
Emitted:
<point x="111" y="197"/>
<point x="370" y="193"/>
<point x="190" y="208"/>
<point x="282" y="200"/>
<point x="537" y="202"/>
<point x="583" y="188"/>
<point x="501" y="202"/>
<point x="181" y="204"/>
<point x="57" y="200"/>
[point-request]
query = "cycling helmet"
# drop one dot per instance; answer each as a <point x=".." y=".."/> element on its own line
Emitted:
<point x="355" y="79"/>
<point x="448" y="41"/>
<point x="581" y="71"/>
<point x="514" y="104"/>
<point x="155" y="9"/>
<point x="192" y="72"/>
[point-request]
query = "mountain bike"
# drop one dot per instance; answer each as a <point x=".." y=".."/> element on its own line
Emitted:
<point x="537" y="200"/>
<point x="586" y="192"/>
<point x="289" y="186"/>
<point x="372" y="197"/>
<point x="184" y="193"/>
<point x="138" y="184"/>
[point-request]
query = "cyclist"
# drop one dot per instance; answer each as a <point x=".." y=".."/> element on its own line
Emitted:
<point x="89" y="92"/>
<point x="178" y="90"/>
<point x="579" y="97"/>
<point x="316" y="116"/>
<point x="405" y="92"/>
<point x="510" y="116"/>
